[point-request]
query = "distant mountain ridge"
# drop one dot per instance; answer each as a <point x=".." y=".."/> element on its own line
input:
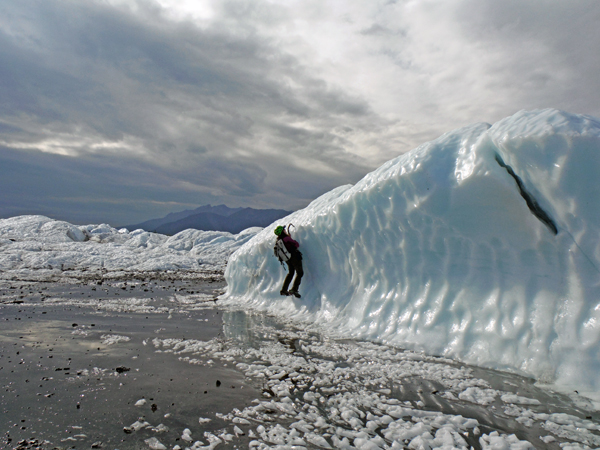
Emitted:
<point x="212" y="218"/>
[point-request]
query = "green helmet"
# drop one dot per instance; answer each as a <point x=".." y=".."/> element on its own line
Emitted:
<point x="279" y="230"/>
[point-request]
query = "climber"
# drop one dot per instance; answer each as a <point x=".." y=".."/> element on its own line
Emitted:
<point x="286" y="249"/>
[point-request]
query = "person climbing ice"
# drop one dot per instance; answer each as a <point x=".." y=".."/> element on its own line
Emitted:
<point x="286" y="249"/>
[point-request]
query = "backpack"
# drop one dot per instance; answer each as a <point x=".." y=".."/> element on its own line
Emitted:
<point x="281" y="251"/>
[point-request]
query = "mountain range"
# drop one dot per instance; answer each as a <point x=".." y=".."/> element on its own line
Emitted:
<point x="211" y="218"/>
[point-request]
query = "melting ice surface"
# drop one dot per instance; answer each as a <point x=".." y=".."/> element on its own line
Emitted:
<point x="340" y="393"/>
<point x="37" y="247"/>
<point x="482" y="245"/>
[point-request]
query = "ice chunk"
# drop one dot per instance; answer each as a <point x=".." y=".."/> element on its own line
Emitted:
<point x="155" y="444"/>
<point x="138" y="425"/>
<point x="187" y="435"/>
<point x="110" y="339"/>
<point x="513" y="398"/>
<point x="445" y="250"/>
<point x="478" y="395"/>
<point x="496" y="441"/>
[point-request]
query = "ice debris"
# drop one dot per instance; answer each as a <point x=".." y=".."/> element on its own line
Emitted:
<point x="155" y="444"/>
<point x="324" y="392"/>
<point x="110" y="339"/>
<point x="187" y="435"/>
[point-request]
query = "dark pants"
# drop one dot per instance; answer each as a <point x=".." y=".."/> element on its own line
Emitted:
<point x="295" y="266"/>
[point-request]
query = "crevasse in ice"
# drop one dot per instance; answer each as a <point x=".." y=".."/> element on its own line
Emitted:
<point x="482" y="245"/>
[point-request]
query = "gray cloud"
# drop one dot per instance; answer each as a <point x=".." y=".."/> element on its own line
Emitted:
<point x="121" y="189"/>
<point x="462" y="61"/>
<point x="122" y="110"/>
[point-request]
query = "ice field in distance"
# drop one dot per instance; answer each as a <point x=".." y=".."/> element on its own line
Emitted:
<point x="40" y="248"/>
<point x="482" y="245"/>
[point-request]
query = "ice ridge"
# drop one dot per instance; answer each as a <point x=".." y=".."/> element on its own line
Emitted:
<point x="438" y="250"/>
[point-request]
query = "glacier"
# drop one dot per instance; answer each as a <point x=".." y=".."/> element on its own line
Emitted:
<point x="481" y="246"/>
<point x="44" y="249"/>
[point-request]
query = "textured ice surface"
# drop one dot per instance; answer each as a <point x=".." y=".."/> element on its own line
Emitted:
<point x="36" y="247"/>
<point x="482" y="245"/>
<point x="322" y="392"/>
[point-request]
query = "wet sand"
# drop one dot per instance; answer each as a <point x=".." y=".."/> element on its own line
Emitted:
<point x="64" y="385"/>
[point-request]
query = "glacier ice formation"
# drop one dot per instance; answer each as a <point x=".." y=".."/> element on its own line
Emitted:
<point x="40" y="248"/>
<point x="482" y="245"/>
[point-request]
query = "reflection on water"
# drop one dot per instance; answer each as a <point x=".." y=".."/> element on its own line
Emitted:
<point x="250" y="328"/>
<point x="72" y="371"/>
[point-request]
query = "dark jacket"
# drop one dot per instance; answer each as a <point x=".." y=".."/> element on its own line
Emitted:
<point x="290" y="244"/>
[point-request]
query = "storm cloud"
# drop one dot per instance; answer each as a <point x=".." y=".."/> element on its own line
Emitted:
<point x="119" y="111"/>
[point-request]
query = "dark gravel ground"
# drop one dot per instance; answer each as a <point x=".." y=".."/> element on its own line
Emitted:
<point x="65" y="386"/>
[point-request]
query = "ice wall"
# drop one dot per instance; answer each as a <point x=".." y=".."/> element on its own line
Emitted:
<point x="482" y="245"/>
<point x="37" y="247"/>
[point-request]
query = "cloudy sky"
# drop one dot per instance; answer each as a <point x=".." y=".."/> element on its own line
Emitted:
<point x="120" y="111"/>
